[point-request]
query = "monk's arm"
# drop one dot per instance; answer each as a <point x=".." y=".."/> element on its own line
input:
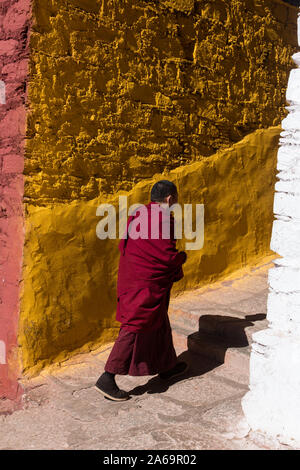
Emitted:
<point x="169" y="255"/>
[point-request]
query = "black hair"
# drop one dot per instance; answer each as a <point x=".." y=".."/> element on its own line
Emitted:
<point x="163" y="189"/>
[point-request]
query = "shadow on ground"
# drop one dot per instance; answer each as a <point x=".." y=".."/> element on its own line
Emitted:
<point x="199" y="364"/>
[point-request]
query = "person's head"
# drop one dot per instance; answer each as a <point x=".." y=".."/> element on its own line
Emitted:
<point x="164" y="191"/>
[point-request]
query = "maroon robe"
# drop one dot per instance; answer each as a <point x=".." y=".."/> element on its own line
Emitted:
<point x="148" y="267"/>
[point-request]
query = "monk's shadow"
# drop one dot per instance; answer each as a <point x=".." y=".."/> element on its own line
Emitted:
<point x="199" y="363"/>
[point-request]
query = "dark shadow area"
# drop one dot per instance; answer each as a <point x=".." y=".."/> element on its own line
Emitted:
<point x="230" y="330"/>
<point x="296" y="3"/>
<point x="256" y="317"/>
<point x="226" y="332"/>
<point x="197" y="366"/>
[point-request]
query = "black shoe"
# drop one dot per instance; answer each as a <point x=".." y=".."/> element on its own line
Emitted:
<point x="180" y="368"/>
<point x="108" y="387"/>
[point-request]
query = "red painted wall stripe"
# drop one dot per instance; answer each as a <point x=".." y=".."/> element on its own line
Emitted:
<point x="14" y="52"/>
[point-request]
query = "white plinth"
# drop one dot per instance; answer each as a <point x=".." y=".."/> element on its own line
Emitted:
<point x="272" y="406"/>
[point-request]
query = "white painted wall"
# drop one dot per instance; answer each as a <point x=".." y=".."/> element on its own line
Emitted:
<point x="272" y="405"/>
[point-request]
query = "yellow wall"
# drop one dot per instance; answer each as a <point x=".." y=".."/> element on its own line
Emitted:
<point x="69" y="290"/>
<point x="123" y="89"/>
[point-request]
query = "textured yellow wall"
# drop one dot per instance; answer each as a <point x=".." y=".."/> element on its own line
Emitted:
<point x="126" y="90"/>
<point x="146" y="86"/>
<point x="69" y="290"/>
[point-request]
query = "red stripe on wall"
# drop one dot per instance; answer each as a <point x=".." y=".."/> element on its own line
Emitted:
<point x="14" y="53"/>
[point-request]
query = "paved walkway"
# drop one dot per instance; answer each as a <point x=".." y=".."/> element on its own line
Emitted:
<point x="201" y="410"/>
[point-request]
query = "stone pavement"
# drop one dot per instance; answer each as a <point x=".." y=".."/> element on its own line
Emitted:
<point x="198" y="411"/>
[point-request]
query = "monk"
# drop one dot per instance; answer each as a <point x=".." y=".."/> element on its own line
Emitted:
<point x="149" y="265"/>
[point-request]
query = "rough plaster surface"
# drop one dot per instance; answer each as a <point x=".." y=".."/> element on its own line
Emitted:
<point x="121" y="90"/>
<point x="14" y="25"/>
<point x="272" y="405"/>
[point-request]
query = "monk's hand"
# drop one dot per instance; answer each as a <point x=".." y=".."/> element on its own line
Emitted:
<point x="178" y="274"/>
<point x="183" y="253"/>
